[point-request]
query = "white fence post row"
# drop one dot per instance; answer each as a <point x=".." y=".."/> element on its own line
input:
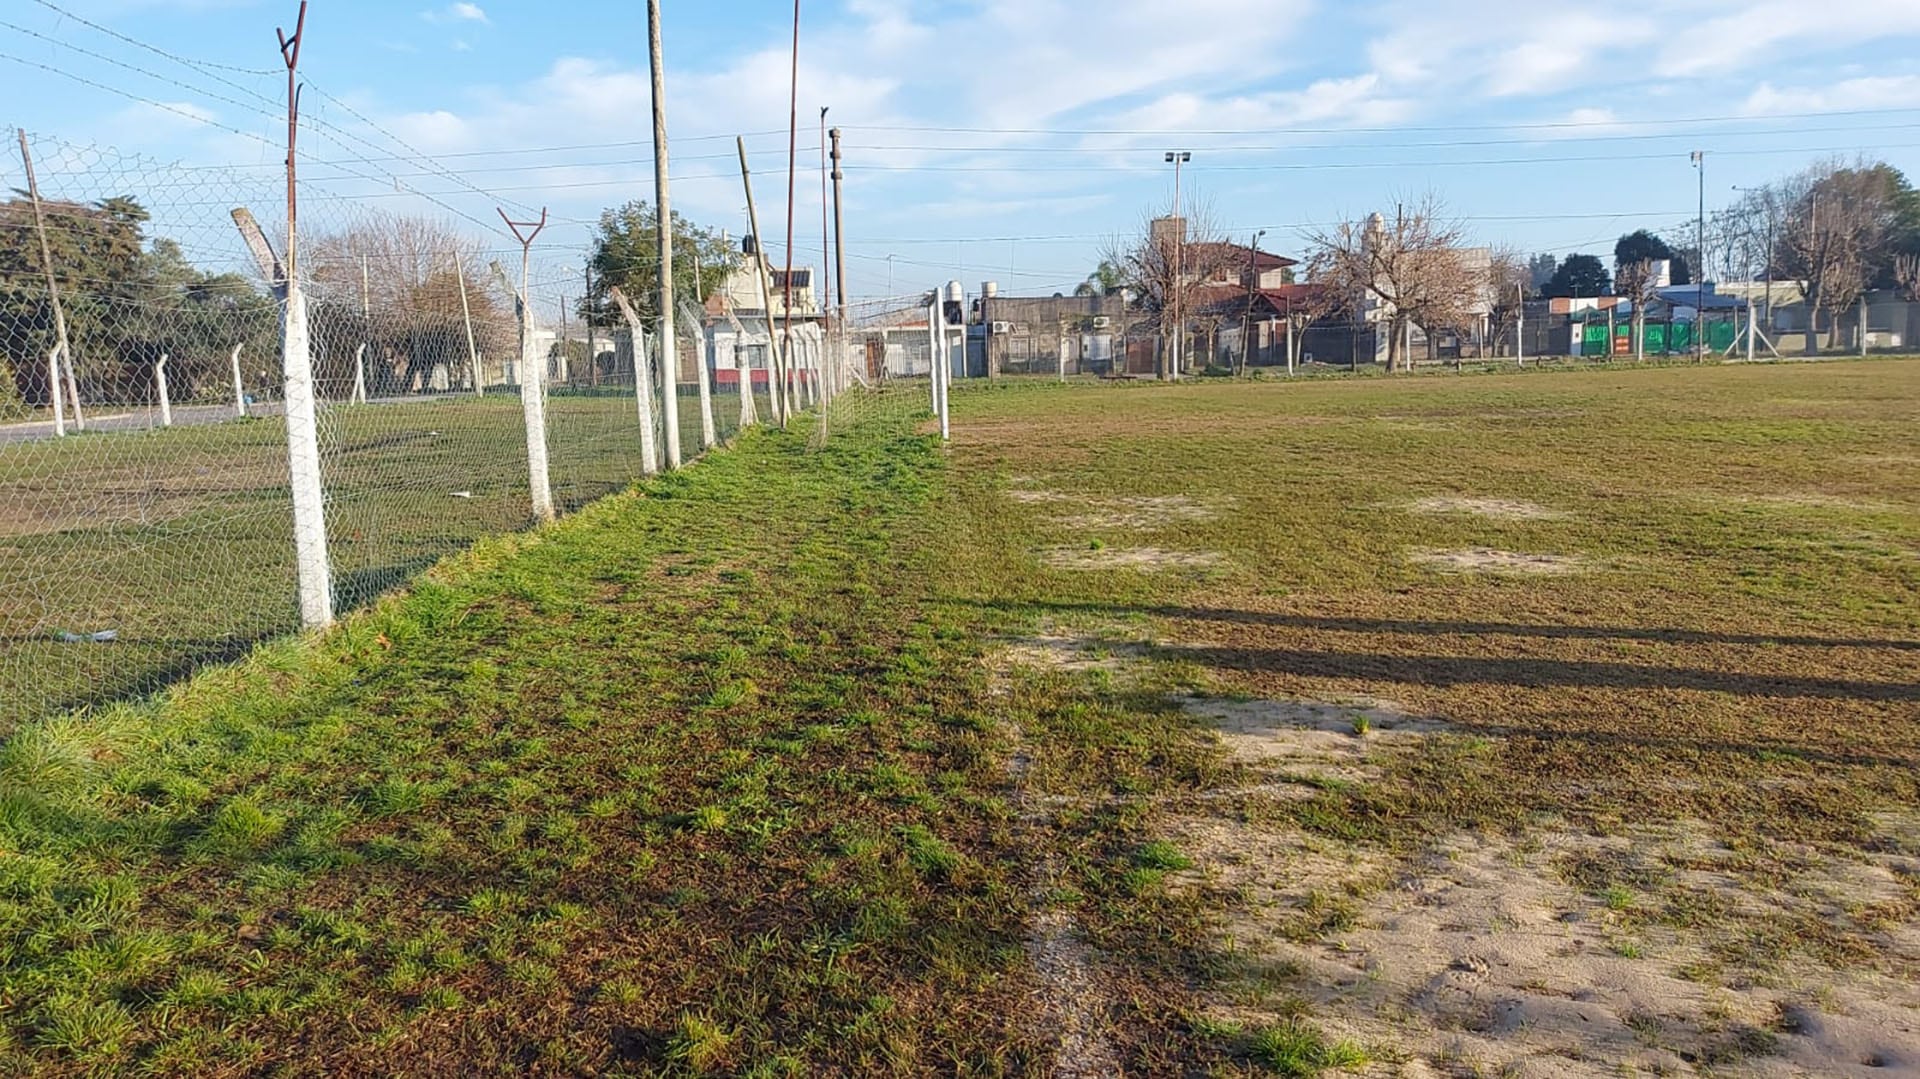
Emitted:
<point x="642" y="382"/>
<point x="239" y="387"/>
<point x="160" y="389"/>
<point x="53" y="392"/>
<point x="303" y="466"/>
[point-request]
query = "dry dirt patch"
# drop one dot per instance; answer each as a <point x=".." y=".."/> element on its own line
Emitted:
<point x="1493" y="561"/>
<point x="1497" y="509"/>
<point x="1538" y="955"/>
<point x="1145" y="559"/>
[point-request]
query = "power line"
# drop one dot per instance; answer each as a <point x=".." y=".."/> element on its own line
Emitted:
<point x="155" y="49"/>
<point x="1542" y="126"/>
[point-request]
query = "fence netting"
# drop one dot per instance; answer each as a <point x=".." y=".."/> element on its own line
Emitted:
<point x="146" y="525"/>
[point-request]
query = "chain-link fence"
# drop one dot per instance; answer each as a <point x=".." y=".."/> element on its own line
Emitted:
<point x="146" y="520"/>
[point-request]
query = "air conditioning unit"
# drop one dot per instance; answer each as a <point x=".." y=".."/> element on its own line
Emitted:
<point x="1003" y="327"/>
<point x="1101" y="322"/>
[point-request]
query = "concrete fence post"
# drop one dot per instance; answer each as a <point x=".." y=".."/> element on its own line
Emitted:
<point x="533" y="406"/>
<point x="53" y="393"/>
<point x="360" y="374"/>
<point x="303" y="465"/>
<point x="239" y="387"/>
<point x="642" y="383"/>
<point x="160" y="391"/>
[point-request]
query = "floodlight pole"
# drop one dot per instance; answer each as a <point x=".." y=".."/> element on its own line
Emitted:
<point x="1700" y="271"/>
<point x="1177" y="158"/>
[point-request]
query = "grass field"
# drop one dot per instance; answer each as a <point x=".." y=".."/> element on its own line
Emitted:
<point x="180" y="540"/>
<point x="1544" y="724"/>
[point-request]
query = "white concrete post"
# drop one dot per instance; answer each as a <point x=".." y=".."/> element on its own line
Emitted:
<point x="1750" y="328"/>
<point x="160" y="388"/>
<point x="1863" y="324"/>
<point x="670" y="395"/>
<point x="642" y="383"/>
<point x="239" y="387"/>
<point x="933" y="355"/>
<point x="303" y="466"/>
<point x="533" y="406"/>
<point x="360" y="375"/>
<point x="1289" y="344"/>
<point x="53" y="392"/>
<point x="708" y="437"/>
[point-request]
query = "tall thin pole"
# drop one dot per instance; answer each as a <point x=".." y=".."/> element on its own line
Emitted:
<point x="840" y="237"/>
<point x="1700" y="282"/>
<point x="775" y="352"/>
<point x="466" y="318"/>
<point x="669" y="344"/>
<point x="53" y="291"/>
<point x="593" y="355"/>
<point x="366" y="325"/>
<point x="826" y="250"/>
<point x="793" y="157"/>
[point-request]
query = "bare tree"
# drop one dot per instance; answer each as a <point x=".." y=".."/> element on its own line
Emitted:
<point x="1145" y="263"/>
<point x="1409" y="266"/>
<point x="403" y="270"/>
<point x="1834" y="236"/>
<point x="1906" y="270"/>
<point x="1639" y="284"/>
<point x="1303" y="306"/>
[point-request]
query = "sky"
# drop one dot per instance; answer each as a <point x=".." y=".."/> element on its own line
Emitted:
<point x="1005" y="140"/>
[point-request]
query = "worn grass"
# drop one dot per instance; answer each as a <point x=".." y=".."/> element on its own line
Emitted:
<point x="725" y="778"/>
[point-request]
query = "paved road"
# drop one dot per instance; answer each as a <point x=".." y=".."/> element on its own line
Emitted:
<point x="144" y="419"/>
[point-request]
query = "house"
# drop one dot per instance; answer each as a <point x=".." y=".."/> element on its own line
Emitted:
<point x="736" y="323"/>
<point x="1050" y="334"/>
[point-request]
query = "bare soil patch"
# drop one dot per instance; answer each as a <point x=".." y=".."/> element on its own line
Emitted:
<point x="1145" y="559"/>
<point x="1557" y="953"/>
<point x="1492" y="560"/>
<point x="1497" y="509"/>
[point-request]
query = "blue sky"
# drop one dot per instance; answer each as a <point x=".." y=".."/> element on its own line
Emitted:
<point x="1004" y="139"/>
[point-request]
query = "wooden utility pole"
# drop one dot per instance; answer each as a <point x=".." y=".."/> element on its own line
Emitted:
<point x="669" y="344"/>
<point x="53" y="291"/>
<point x="593" y="357"/>
<point x="466" y="316"/>
<point x="793" y="158"/>
<point x="839" y="232"/>
<point x="777" y="360"/>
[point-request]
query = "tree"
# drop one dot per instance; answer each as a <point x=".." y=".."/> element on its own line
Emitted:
<point x="1644" y="246"/>
<point x="1146" y="263"/>
<point x="1303" y="306"/>
<point x="125" y="304"/>
<point x="1639" y="284"/>
<point x="1541" y="268"/>
<point x="1409" y="268"/>
<point x="1579" y="275"/>
<point x="1836" y="235"/>
<point x="412" y="288"/>
<point x="1906" y="272"/>
<point x="626" y="253"/>
<point x="1106" y="279"/>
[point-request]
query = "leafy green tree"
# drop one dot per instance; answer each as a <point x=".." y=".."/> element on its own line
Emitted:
<point x="1643" y="246"/>
<point x="1579" y="275"/>
<point x="1105" y="280"/>
<point x="626" y="252"/>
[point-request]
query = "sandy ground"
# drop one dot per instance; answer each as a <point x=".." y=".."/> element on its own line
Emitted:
<point x="1478" y="957"/>
<point x="1491" y="560"/>
<point x="1146" y="559"/>
<point x="1496" y="509"/>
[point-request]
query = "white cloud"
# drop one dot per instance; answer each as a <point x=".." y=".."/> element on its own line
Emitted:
<point x="456" y="13"/>
<point x="1873" y="92"/>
